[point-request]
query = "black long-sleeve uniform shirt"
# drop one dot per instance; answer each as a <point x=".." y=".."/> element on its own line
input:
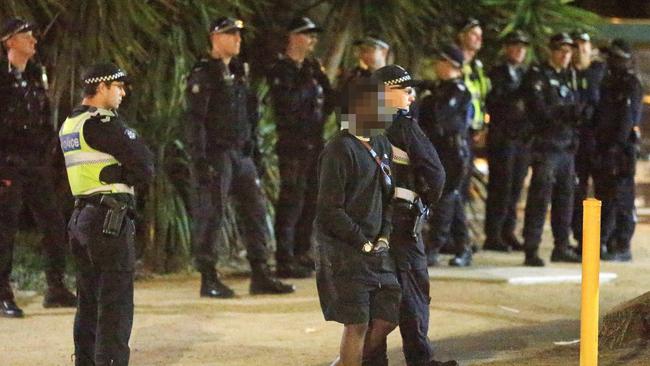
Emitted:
<point x="351" y="208"/>
<point x="222" y="110"/>
<point x="112" y="136"/>
<point x="302" y="98"/>
<point x="506" y="104"/>
<point x="619" y="109"/>
<point x="425" y="175"/>
<point x="552" y="104"/>
<point x="25" y="128"/>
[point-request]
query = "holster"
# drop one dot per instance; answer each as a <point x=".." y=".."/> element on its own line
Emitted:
<point x="114" y="216"/>
<point x="422" y="213"/>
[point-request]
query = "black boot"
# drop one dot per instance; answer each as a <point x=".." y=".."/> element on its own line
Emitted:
<point x="211" y="286"/>
<point x="565" y="253"/>
<point x="9" y="309"/>
<point x="463" y="259"/>
<point x="432" y="258"/>
<point x="624" y="255"/>
<point x="496" y="245"/>
<point x="442" y="363"/>
<point x="511" y="240"/>
<point x="533" y="260"/>
<point x="57" y="295"/>
<point x="262" y="282"/>
<point x="292" y="269"/>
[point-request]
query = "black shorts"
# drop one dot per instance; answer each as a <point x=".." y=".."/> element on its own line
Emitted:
<point x="358" y="302"/>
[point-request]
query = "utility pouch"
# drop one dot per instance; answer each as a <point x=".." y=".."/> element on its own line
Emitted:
<point x="114" y="216"/>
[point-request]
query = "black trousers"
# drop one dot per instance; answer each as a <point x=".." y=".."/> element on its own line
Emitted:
<point x="102" y="325"/>
<point x="449" y="210"/>
<point x="32" y="187"/>
<point x="584" y="169"/>
<point x="295" y="210"/>
<point x="508" y="162"/>
<point x="413" y="277"/>
<point x="552" y="182"/>
<point x="236" y="178"/>
<point x="618" y="216"/>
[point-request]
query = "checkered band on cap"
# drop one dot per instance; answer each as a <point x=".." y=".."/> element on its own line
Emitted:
<point x="99" y="79"/>
<point x="398" y="80"/>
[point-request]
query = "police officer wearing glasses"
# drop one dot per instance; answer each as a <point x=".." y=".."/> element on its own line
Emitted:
<point x="443" y="116"/>
<point x="221" y="137"/>
<point x="419" y="179"/>
<point x="302" y="98"/>
<point x="27" y="139"/>
<point x="105" y="161"/>
<point x="555" y="111"/>
<point x="508" y="145"/>
<point x="616" y="131"/>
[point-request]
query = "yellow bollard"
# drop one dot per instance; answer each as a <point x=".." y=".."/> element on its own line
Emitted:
<point x="590" y="282"/>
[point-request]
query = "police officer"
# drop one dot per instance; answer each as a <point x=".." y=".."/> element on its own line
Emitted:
<point x="443" y="116"/>
<point x="508" y="148"/>
<point x="372" y="54"/>
<point x="617" y="139"/>
<point x="470" y="41"/>
<point x="419" y="179"/>
<point x="555" y="111"/>
<point x="357" y="285"/>
<point x="588" y="74"/>
<point x="26" y="141"/>
<point x="222" y="112"/>
<point x="302" y="98"/>
<point x="105" y="160"/>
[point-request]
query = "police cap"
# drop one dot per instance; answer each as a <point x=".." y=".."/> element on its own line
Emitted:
<point x="452" y="54"/>
<point x="13" y="26"/>
<point x="619" y="48"/>
<point x="394" y="75"/>
<point x="580" y="35"/>
<point x="560" y="39"/>
<point x="515" y="37"/>
<point x="468" y="24"/>
<point x="103" y="72"/>
<point x="371" y="41"/>
<point x="226" y="25"/>
<point x="303" y="25"/>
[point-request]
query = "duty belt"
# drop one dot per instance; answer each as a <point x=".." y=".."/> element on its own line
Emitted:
<point x="106" y="200"/>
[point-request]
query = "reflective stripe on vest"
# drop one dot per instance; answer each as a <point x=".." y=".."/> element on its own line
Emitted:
<point x="83" y="163"/>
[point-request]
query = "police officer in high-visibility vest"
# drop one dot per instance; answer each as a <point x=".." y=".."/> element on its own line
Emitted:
<point x="470" y="41"/>
<point x="105" y="160"/>
<point x="26" y="140"/>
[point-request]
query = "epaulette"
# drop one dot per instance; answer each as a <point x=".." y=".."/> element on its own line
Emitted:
<point x="460" y="85"/>
<point x="103" y="115"/>
<point x="478" y="63"/>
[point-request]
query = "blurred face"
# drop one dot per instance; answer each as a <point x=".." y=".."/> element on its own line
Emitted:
<point x="305" y="42"/>
<point x="23" y="43"/>
<point x="373" y="57"/>
<point x="472" y="39"/>
<point x="226" y="44"/>
<point x="111" y="94"/>
<point x="516" y="53"/>
<point x="561" y="57"/>
<point x="398" y="97"/>
<point x="584" y="50"/>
